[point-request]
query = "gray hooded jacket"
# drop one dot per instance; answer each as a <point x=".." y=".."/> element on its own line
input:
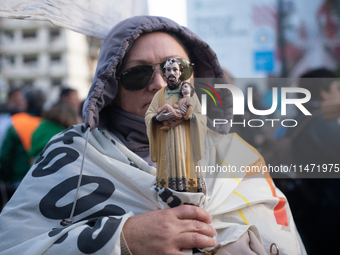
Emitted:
<point x="119" y="40"/>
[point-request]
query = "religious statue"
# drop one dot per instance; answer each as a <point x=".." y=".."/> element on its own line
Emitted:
<point x="187" y="91"/>
<point x="176" y="131"/>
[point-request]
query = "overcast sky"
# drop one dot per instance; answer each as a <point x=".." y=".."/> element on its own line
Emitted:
<point x="173" y="9"/>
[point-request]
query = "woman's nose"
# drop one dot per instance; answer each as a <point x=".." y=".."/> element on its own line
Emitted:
<point x="157" y="81"/>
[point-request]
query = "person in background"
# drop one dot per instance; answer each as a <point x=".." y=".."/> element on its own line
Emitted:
<point x="54" y="120"/>
<point x="320" y="142"/>
<point x="15" y="103"/>
<point x="315" y="203"/>
<point x="70" y="97"/>
<point x="14" y="159"/>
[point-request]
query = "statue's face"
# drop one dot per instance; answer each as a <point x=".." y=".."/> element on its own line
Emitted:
<point x="186" y="89"/>
<point x="172" y="73"/>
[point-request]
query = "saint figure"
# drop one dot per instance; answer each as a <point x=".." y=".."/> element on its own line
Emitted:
<point x="178" y="149"/>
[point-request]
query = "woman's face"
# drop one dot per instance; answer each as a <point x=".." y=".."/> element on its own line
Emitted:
<point x="150" y="48"/>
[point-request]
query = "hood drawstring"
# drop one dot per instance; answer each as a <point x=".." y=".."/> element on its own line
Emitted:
<point x="66" y="222"/>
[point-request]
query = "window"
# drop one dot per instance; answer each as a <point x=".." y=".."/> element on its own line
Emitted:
<point x="29" y="34"/>
<point x="54" y="34"/>
<point x="30" y="59"/>
<point x="9" y="34"/>
<point x="11" y="83"/>
<point x="55" y="58"/>
<point x="10" y="59"/>
<point x="28" y="82"/>
<point x="56" y="82"/>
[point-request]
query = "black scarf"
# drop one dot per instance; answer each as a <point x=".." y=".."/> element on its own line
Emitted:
<point x="130" y="129"/>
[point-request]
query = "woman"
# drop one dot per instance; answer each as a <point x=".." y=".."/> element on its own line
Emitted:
<point x="117" y="209"/>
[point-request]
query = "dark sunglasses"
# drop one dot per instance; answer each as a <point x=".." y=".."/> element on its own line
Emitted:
<point x="139" y="77"/>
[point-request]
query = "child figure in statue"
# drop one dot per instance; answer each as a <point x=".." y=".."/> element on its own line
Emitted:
<point x="187" y="91"/>
<point x="179" y="147"/>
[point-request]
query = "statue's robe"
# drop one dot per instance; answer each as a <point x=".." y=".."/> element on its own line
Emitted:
<point x="178" y="150"/>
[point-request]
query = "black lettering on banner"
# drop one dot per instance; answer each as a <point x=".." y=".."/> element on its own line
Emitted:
<point x="166" y="194"/>
<point x="70" y="157"/>
<point x="87" y="244"/>
<point x="112" y="210"/>
<point x="48" y="206"/>
<point x="133" y="164"/>
<point x="67" y="138"/>
<point x="83" y="128"/>
<point x="55" y="232"/>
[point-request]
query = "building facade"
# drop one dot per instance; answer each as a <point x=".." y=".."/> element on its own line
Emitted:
<point x="39" y="54"/>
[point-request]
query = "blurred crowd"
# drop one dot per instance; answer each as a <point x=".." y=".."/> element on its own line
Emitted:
<point x="315" y="141"/>
<point x="26" y="126"/>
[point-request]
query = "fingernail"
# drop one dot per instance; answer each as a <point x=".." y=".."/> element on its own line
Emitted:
<point x="216" y="243"/>
<point x="215" y="232"/>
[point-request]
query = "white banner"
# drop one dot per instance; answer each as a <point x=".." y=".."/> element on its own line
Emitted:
<point x="117" y="184"/>
<point x="90" y="17"/>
